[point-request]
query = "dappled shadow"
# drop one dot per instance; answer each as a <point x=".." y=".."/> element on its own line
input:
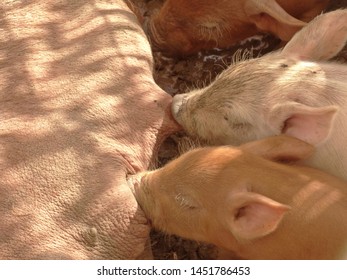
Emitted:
<point x="79" y="110"/>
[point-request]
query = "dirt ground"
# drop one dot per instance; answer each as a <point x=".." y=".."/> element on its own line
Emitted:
<point x="177" y="76"/>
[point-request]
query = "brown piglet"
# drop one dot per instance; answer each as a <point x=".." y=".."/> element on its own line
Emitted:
<point x="183" y="27"/>
<point x="248" y="201"/>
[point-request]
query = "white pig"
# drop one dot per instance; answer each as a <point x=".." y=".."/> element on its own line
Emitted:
<point x="293" y="92"/>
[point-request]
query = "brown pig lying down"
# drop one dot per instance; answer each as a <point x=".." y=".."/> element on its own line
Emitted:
<point x="184" y="27"/>
<point x="79" y="111"/>
<point x="295" y="91"/>
<point x="242" y="200"/>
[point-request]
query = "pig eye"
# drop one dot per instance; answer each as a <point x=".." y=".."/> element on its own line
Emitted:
<point x="186" y="202"/>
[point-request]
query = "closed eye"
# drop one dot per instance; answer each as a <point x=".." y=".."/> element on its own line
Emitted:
<point x="241" y="125"/>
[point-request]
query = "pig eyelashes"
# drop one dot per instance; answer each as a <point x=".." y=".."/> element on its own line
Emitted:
<point x="186" y="202"/>
<point x="240" y="125"/>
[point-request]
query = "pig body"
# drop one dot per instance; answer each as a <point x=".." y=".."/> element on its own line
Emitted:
<point x="241" y="200"/>
<point x="294" y="92"/>
<point x="185" y="27"/>
<point x="74" y="78"/>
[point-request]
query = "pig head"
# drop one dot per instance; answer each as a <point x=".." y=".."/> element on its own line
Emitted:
<point x="294" y="92"/>
<point x="242" y="200"/>
<point x="79" y="112"/>
<point x="185" y="27"/>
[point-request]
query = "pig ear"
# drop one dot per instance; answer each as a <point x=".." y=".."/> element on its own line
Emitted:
<point x="309" y="124"/>
<point x="269" y="16"/>
<point x="254" y="215"/>
<point x="279" y="148"/>
<point x="322" y="39"/>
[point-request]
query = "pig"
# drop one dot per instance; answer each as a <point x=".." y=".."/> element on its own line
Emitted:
<point x="183" y="27"/>
<point x="294" y="91"/>
<point x="75" y="77"/>
<point x="243" y="199"/>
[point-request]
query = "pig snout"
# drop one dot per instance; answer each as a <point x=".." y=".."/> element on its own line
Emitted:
<point x="177" y="104"/>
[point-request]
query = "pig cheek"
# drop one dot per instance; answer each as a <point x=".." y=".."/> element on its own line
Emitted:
<point x="183" y="116"/>
<point x="207" y="126"/>
<point x="178" y="43"/>
<point x="184" y="212"/>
